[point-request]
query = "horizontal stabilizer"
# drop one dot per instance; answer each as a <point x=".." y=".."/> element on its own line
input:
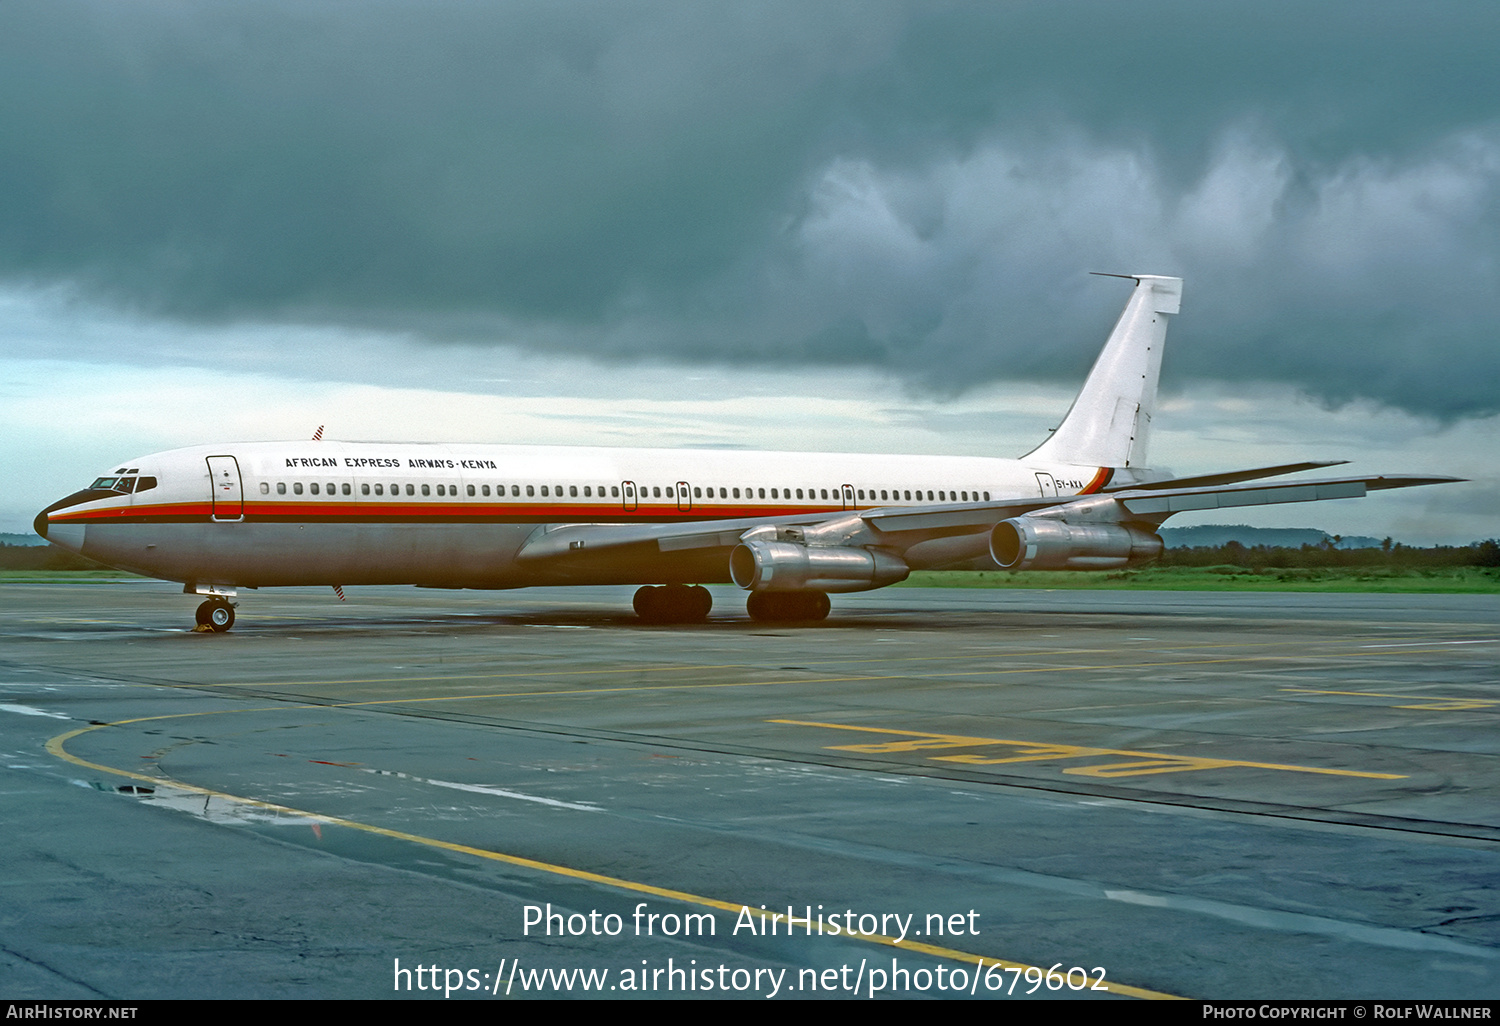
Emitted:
<point x="1164" y="502"/>
<point x="1231" y="477"/>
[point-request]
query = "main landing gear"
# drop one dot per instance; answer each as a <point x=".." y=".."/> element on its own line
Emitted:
<point x="673" y="603"/>
<point x="215" y="615"/>
<point x="787" y="606"/>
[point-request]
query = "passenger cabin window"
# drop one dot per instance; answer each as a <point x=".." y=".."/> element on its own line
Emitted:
<point x="313" y="487"/>
<point x="297" y="487"/>
<point x="265" y="488"/>
<point x="280" y="487"/>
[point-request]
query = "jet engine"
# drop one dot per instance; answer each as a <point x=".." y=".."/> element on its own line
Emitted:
<point x="1037" y="543"/>
<point x="759" y="565"/>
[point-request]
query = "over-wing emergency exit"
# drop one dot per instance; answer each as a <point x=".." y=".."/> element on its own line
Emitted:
<point x="788" y="527"/>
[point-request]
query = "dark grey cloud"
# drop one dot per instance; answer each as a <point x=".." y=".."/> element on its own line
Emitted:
<point x="918" y="186"/>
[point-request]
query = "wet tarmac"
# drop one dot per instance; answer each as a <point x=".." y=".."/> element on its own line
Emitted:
<point x="420" y="793"/>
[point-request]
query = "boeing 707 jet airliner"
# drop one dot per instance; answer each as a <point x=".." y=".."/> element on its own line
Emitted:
<point x="788" y="527"/>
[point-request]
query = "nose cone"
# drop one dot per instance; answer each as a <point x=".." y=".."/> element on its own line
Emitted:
<point x="69" y="536"/>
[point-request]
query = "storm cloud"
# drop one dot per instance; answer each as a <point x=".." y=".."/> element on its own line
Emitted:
<point x="914" y="187"/>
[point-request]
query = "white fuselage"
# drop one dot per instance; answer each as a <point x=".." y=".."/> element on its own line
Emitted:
<point x="455" y="515"/>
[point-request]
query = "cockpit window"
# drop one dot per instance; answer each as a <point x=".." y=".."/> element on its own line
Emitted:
<point x="125" y="485"/>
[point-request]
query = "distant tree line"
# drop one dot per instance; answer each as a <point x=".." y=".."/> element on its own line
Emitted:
<point x="44" y="557"/>
<point x="1390" y="554"/>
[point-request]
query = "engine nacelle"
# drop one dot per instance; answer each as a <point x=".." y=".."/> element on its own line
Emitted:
<point x="786" y="566"/>
<point x="1037" y="543"/>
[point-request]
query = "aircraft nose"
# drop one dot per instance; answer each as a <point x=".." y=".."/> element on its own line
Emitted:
<point x="69" y="536"/>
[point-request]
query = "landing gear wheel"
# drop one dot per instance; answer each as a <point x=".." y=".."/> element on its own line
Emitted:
<point x="817" y="606"/>
<point x="674" y="603"/>
<point x="701" y="602"/>
<point x="646" y="602"/>
<point x="787" y="606"/>
<point x="762" y="606"/>
<point x="216" y="614"/>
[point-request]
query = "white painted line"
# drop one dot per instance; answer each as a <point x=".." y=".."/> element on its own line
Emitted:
<point x="501" y="792"/>
<point x="26" y="710"/>
<point x="1428" y="644"/>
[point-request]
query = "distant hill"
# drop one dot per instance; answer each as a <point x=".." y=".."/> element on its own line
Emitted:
<point x="22" y="539"/>
<point x="1214" y="535"/>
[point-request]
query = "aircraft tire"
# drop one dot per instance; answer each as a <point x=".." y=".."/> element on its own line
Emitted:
<point x="817" y="605"/>
<point x="787" y="606"/>
<point x="703" y="602"/>
<point x="216" y="615"/>
<point x="673" y="603"/>
<point x="647" y="603"/>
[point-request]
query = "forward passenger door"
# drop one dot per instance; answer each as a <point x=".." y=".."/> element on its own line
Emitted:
<point x="228" y="495"/>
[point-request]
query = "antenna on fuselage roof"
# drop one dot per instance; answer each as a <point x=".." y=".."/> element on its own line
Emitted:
<point x="318" y="434"/>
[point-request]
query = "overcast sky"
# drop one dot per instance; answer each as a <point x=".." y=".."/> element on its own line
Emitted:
<point x="825" y="225"/>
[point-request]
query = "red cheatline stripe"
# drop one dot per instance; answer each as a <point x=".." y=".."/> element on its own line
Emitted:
<point x="1100" y="480"/>
<point x="376" y="511"/>
<point x="437" y="511"/>
<point x="202" y="509"/>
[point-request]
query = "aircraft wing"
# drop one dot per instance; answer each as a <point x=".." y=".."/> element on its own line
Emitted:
<point x="924" y="535"/>
<point x="691" y="550"/>
<point x="1149" y="502"/>
<point x="576" y="542"/>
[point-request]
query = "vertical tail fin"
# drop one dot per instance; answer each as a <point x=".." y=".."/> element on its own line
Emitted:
<point x="1109" y="423"/>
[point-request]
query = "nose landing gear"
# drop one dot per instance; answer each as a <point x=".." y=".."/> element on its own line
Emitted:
<point x="215" y="615"/>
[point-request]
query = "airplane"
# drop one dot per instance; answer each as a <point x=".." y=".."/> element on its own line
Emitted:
<point x="788" y="527"/>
